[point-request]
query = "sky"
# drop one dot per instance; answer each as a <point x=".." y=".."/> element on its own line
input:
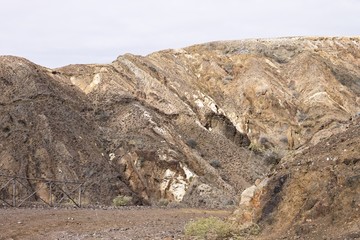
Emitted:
<point x="54" y="33"/>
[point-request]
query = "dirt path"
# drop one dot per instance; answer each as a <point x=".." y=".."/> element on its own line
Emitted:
<point x="133" y="223"/>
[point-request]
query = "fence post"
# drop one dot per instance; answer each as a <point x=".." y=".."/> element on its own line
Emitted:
<point x="14" y="192"/>
<point x="51" y="200"/>
<point x="80" y="195"/>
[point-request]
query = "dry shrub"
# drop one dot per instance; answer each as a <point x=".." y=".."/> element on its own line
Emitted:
<point x="122" y="200"/>
<point x="213" y="228"/>
<point x="208" y="228"/>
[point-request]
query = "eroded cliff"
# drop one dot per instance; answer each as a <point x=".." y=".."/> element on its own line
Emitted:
<point x="196" y="125"/>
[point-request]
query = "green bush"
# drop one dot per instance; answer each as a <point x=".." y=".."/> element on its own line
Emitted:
<point x="215" y="229"/>
<point x="208" y="228"/>
<point x="122" y="200"/>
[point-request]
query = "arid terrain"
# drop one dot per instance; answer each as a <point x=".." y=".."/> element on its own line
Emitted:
<point x="125" y="223"/>
<point x="266" y="127"/>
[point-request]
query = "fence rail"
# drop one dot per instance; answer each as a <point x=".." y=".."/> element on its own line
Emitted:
<point x="16" y="191"/>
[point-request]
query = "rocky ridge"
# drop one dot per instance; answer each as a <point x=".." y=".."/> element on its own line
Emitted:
<point x="196" y="125"/>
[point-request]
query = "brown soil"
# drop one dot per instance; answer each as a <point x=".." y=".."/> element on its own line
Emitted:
<point x="126" y="223"/>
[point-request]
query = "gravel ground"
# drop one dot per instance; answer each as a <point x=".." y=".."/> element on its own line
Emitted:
<point x="126" y="223"/>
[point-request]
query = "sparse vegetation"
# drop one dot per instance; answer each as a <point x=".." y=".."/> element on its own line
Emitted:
<point x="252" y="230"/>
<point x="208" y="228"/>
<point x="271" y="157"/>
<point x="228" y="78"/>
<point x="257" y="148"/>
<point x="163" y="202"/>
<point x="122" y="200"/>
<point x="229" y="68"/>
<point x="284" y="140"/>
<point x="265" y="143"/>
<point x="215" y="228"/>
<point x="301" y="116"/>
<point x="215" y="163"/>
<point x="191" y="143"/>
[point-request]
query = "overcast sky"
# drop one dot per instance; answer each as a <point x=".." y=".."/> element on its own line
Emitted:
<point x="54" y="33"/>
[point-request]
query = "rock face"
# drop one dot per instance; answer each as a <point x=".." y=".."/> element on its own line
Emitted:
<point x="47" y="132"/>
<point x="196" y="125"/>
<point x="315" y="194"/>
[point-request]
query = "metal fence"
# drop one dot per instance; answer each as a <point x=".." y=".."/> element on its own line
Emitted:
<point x="16" y="191"/>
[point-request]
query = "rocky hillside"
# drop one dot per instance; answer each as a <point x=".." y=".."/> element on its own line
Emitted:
<point x="312" y="194"/>
<point x="318" y="192"/>
<point x="196" y="125"/>
<point x="47" y="132"/>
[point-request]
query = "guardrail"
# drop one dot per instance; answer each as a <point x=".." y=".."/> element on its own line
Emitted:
<point x="15" y="191"/>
